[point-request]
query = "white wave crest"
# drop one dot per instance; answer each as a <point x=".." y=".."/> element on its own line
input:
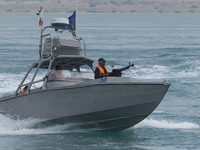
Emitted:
<point x="9" y="126"/>
<point x="158" y="72"/>
<point x="10" y="82"/>
<point x="166" y="124"/>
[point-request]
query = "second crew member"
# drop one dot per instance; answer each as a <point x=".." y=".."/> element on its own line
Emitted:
<point x="101" y="70"/>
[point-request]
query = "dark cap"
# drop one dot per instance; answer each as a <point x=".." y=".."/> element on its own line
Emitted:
<point x="101" y="59"/>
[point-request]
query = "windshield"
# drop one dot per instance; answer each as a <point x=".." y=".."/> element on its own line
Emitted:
<point x="66" y="74"/>
<point x="75" y="74"/>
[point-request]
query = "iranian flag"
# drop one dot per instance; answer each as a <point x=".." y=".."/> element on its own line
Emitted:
<point x="39" y="13"/>
<point x="40" y="21"/>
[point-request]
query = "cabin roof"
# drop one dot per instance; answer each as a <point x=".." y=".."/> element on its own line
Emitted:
<point x="68" y="62"/>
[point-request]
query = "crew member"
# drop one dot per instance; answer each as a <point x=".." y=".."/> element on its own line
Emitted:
<point x="56" y="74"/>
<point x="101" y="70"/>
<point x="24" y="89"/>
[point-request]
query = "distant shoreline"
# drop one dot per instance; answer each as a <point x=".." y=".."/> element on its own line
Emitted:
<point x="98" y="13"/>
<point x="99" y="6"/>
<point x="1" y="13"/>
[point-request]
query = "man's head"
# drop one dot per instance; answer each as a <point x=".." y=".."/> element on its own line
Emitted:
<point x="102" y="61"/>
<point x="58" y="67"/>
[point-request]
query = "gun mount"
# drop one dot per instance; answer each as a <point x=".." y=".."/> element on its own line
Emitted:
<point x="118" y="72"/>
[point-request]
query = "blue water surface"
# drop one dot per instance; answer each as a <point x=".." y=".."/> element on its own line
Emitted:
<point x="162" y="47"/>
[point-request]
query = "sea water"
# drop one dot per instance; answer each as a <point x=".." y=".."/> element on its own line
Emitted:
<point x="162" y="47"/>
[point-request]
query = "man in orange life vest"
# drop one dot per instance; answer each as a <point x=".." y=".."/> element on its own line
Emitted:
<point x="57" y="74"/>
<point x="101" y="70"/>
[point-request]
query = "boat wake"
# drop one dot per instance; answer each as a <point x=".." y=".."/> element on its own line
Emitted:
<point x="9" y="126"/>
<point x="30" y="126"/>
<point x="167" y="124"/>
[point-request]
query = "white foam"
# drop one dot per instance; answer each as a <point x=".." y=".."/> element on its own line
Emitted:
<point x="158" y="72"/>
<point x="10" y="82"/>
<point x="167" y="124"/>
<point x="10" y="126"/>
<point x="158" y="112"/>
<point x="150" y="72"/>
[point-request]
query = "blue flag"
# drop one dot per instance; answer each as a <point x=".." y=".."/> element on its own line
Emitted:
<point x="72" y="21"/>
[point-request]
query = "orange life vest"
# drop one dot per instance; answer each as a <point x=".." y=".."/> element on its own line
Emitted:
<point x="101" y="71"/>
<point x="23" y="90"/>
<point x="58" y="75"/>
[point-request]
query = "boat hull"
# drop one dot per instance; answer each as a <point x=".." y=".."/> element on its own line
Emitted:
<point x="112" y="120"/>
<point x="109" y="106"/>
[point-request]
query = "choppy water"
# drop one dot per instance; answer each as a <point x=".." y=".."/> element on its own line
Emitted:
<point x="162" y="47"/>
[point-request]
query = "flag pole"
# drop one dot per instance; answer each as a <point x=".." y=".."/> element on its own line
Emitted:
<point x="40" y="52"/>
<point x="76" y="32"/>
<point x="39" y="13"/>
<point x="41" y="29"/>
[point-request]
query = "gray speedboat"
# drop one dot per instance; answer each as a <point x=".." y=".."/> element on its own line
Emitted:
<point x="113" y="103"/>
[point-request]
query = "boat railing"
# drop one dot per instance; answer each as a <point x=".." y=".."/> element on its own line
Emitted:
<point x="61" y="29"/>
<point x="56" y="29"/>
<point x="20" y="85"/>
<point x="84" y="46"/>
<point x="41" y="80"/>
<point x="50" y="58"/>
<point x="29" y="84"/>
<point x="51" y="45"/>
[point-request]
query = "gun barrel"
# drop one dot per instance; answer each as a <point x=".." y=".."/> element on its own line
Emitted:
<point x="118" y="72"/>
<point x="125" y="68"/>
